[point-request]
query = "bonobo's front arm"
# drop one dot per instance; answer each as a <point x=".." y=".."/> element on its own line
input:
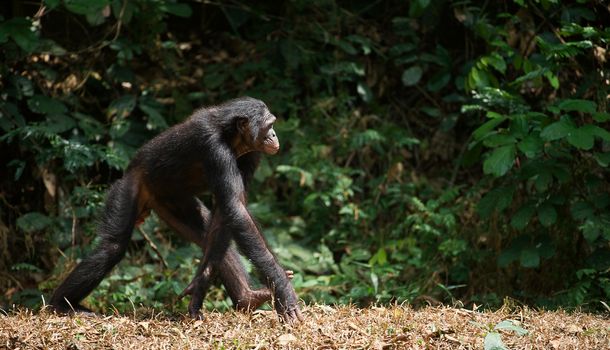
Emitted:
<point x="232" y="220"/>
<point x="252" y="244"/>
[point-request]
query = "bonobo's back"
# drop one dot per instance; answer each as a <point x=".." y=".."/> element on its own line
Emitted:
<point x="172" y="161"/>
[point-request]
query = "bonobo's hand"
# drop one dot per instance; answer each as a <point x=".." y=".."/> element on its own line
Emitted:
<point x="286" y="304"/>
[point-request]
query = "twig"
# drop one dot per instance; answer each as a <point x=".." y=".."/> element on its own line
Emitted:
<point x="153" y="246"/>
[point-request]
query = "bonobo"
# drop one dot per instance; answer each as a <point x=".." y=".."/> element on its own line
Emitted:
<point x="216" y="149"/>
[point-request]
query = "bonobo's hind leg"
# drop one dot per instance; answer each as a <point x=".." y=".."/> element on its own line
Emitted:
<point x="244" y="299"/>
<point x="114" y="230"/>
<point x="191" y="219"/>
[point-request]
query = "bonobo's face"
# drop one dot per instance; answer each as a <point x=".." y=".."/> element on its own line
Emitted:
<point x="267" y="139"/>
<point x="255" y="126"/>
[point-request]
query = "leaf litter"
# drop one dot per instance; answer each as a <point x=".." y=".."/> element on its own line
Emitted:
<point x="325" y="327"/>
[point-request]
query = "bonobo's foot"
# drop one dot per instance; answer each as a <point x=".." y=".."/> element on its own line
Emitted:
<point x="253" y="300"/>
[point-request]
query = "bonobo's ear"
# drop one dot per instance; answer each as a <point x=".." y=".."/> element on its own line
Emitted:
<point x="242" y="125"/>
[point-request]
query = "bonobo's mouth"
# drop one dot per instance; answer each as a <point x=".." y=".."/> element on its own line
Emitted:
<point x="271" y="145"/>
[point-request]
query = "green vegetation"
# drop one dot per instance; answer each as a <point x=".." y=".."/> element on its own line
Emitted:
<point x="433" y="151"/>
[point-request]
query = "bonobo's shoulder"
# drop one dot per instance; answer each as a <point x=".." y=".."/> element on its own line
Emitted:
<point x="244" y="99"/>
<point x="201" y="114"/>
<point x="243" y="102"/>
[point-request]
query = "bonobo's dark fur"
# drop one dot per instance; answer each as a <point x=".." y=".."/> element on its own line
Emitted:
<point x="216" y="149"/>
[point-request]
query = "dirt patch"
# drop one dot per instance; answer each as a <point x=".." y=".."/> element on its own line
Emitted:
<point x="325" y="327"/>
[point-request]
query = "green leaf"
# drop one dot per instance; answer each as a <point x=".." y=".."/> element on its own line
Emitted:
<point x="530" y="257"/>
<point x="85" y="7"/>
<point x="547" y="215"/>
<point x="519" y="126"/>
<point x="347" y="47"/>
<point x="543" y="180"/>
<point x="488" y="126"/>
<point x="500" y="160"/>
<point x="122" y="106"/>
<point x="603" y="159"/>
<point x="584" y="106"/>
<point x="34" y="221"/>
<point x="496" y="140"/>
<point x="155" y="119"/>
<point x="590" y="231"/>
<point x="507" y="256"/>
<point x="496" y="199"/>
<point x="180" y="10"/>
<point x="494" y="60"/>
<point x="509" y="325"/>
<point x="51" y="4"/>
<point x="601" y="117"/>
<point x="582" y="210"/>
<point x="119" y="127"/>
<point x="493" y="341"/>
<point x="412" y="76"/>
<point x="59" y="123"/>
<point x="522" y="217"/>
<point x="557" y="130"/>
<point x="20" y="29"/>
<point x="46" y="105"/>
<point x="553" y="79"/>
<point x="531" y="145"/>
<point x="380" y="258"/>
<point x="438" y="81"/>
<point x="581" y="138"/>
<point x="598" y="131"/>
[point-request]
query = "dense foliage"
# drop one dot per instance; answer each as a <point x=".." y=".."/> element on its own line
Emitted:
<point x="433" y="151"/>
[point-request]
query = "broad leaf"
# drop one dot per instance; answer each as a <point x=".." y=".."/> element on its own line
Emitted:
<point x="603" y="159"/>
<point x="33" y="221"/>
<point x="84" y="7"/>
<point x="46" y="105"/>
<point x="584" y="106"/>
<point x="499" y="140"/>
<point x="599" y="132"/>
<point x="557" y="130"/>
<point x="496" y="199"/>
<point x="547" y="215"/>
<point x="582" y="210"/>
<point x="488" y="126"/>
<point x="412" y="76"/>
<point x="581" y="138"/>
<point x="493" y="341"/>
<point x="500" y="161"/>
<point x="122" y="106"/>
<point x="19" y="29"/>
<point x="522" y="216"/>
<point x="509" y="325"/>
<point x="530" y="257"/>
<point x="531" y="145"/>
<point x="180" y="10"/>
<point x="591" y="231"/>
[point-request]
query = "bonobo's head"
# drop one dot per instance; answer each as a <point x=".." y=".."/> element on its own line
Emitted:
<point x="254" y="126"/>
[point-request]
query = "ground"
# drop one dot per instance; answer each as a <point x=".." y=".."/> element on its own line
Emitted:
<point x="325" y="327"/>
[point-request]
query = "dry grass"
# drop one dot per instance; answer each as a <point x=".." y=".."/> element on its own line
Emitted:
<point x="324" y="328"/>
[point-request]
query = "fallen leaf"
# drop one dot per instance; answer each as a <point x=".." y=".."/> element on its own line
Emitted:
<point x="284" y="339"/>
